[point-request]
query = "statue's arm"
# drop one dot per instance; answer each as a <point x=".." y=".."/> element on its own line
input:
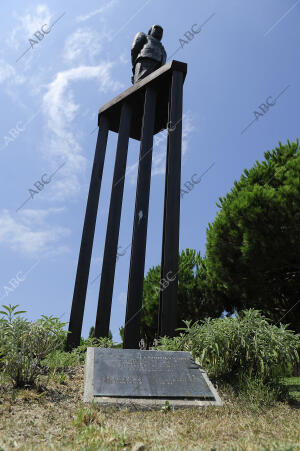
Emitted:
<point x="137" y="45"/>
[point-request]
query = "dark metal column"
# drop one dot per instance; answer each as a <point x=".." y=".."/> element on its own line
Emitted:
<point x="170" y="245"/>
<point x="87" y="239"/>
<point x="139" y="236"/>
<point x="113" y="227"/>
<point x="164" y="215"/>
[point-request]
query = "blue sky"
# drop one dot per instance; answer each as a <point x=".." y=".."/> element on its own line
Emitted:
<point x="245" y="55"/>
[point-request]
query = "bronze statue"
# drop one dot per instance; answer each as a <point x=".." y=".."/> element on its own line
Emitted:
<point x="147" y="53"/>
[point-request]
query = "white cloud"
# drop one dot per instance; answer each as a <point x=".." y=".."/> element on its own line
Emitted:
<point x="122" y="297"/>
<point x="83" y="45"/>
<point x="187" y="126"/>
<point x="96" y="260"/>
<point x="124" y="59"/>
<point x="98" y="11"/>
<point x="60" y="109"/>
<point x="8" y="74"/>
<point x="30" y="216"/>
<point x="160" y="149"/>
<point x="11" y="80"/>
<point x="20" y="235"/>
<point x="28" y="23"/>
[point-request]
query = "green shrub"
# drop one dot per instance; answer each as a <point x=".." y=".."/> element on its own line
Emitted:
<point x="24" y="344"/>
<point x="255" y="392"/>
<point x="92" y="343"/>
<point x="60" y="361"/>
<point x="235" y="349"/>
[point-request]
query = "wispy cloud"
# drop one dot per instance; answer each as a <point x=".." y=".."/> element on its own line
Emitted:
<point x="29" y="233"/>
<point x="98" y="11"/>
<point x="38" y="216"/>
<point x="28" y="23"/>
<point x="83" y="45"/>
<point x="60" y="109"/>
<point x="160" y="149"/>
<point x="159" y="155"/>
<point x="122" y="297"/>
<point x="9" y="75"/>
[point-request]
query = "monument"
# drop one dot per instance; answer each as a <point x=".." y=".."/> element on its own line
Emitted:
<point x="152" y="104"/>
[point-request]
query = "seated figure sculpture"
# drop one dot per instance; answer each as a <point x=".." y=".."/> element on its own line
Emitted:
<point x="147" y="53"/>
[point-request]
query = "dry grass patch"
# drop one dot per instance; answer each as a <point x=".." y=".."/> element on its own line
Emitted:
<point x="55" y="418"/>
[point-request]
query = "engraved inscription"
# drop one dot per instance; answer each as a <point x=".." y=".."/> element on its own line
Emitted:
<point x="122" y="380"/>
<point x="134" y="373"/>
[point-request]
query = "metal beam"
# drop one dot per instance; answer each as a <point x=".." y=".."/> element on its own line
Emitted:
<point x="84" y="261"/>
<point x="113" y="226"/>
<point x="170" y="245"/>
<point x="139" y="236"/>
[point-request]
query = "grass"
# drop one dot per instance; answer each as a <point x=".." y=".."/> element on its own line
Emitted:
<point x="293" y="384"/>
<point x="55" y="418"/>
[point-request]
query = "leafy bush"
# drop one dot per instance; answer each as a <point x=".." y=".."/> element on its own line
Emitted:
<point x="235" y="349"/>
<point x="90" y="342"/>
<point x="28" y="349"/>
<point x="24" y="344"/>
<point x="254" y="392"/>
<point x="60" y="361"/>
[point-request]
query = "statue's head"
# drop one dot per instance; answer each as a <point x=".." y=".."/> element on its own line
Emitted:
<point x="156" y="31"/>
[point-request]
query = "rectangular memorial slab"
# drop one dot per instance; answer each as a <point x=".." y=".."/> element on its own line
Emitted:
<point x="146" y="379"/>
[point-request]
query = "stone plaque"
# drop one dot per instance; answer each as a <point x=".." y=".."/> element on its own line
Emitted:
<point x="131" y="373"/>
